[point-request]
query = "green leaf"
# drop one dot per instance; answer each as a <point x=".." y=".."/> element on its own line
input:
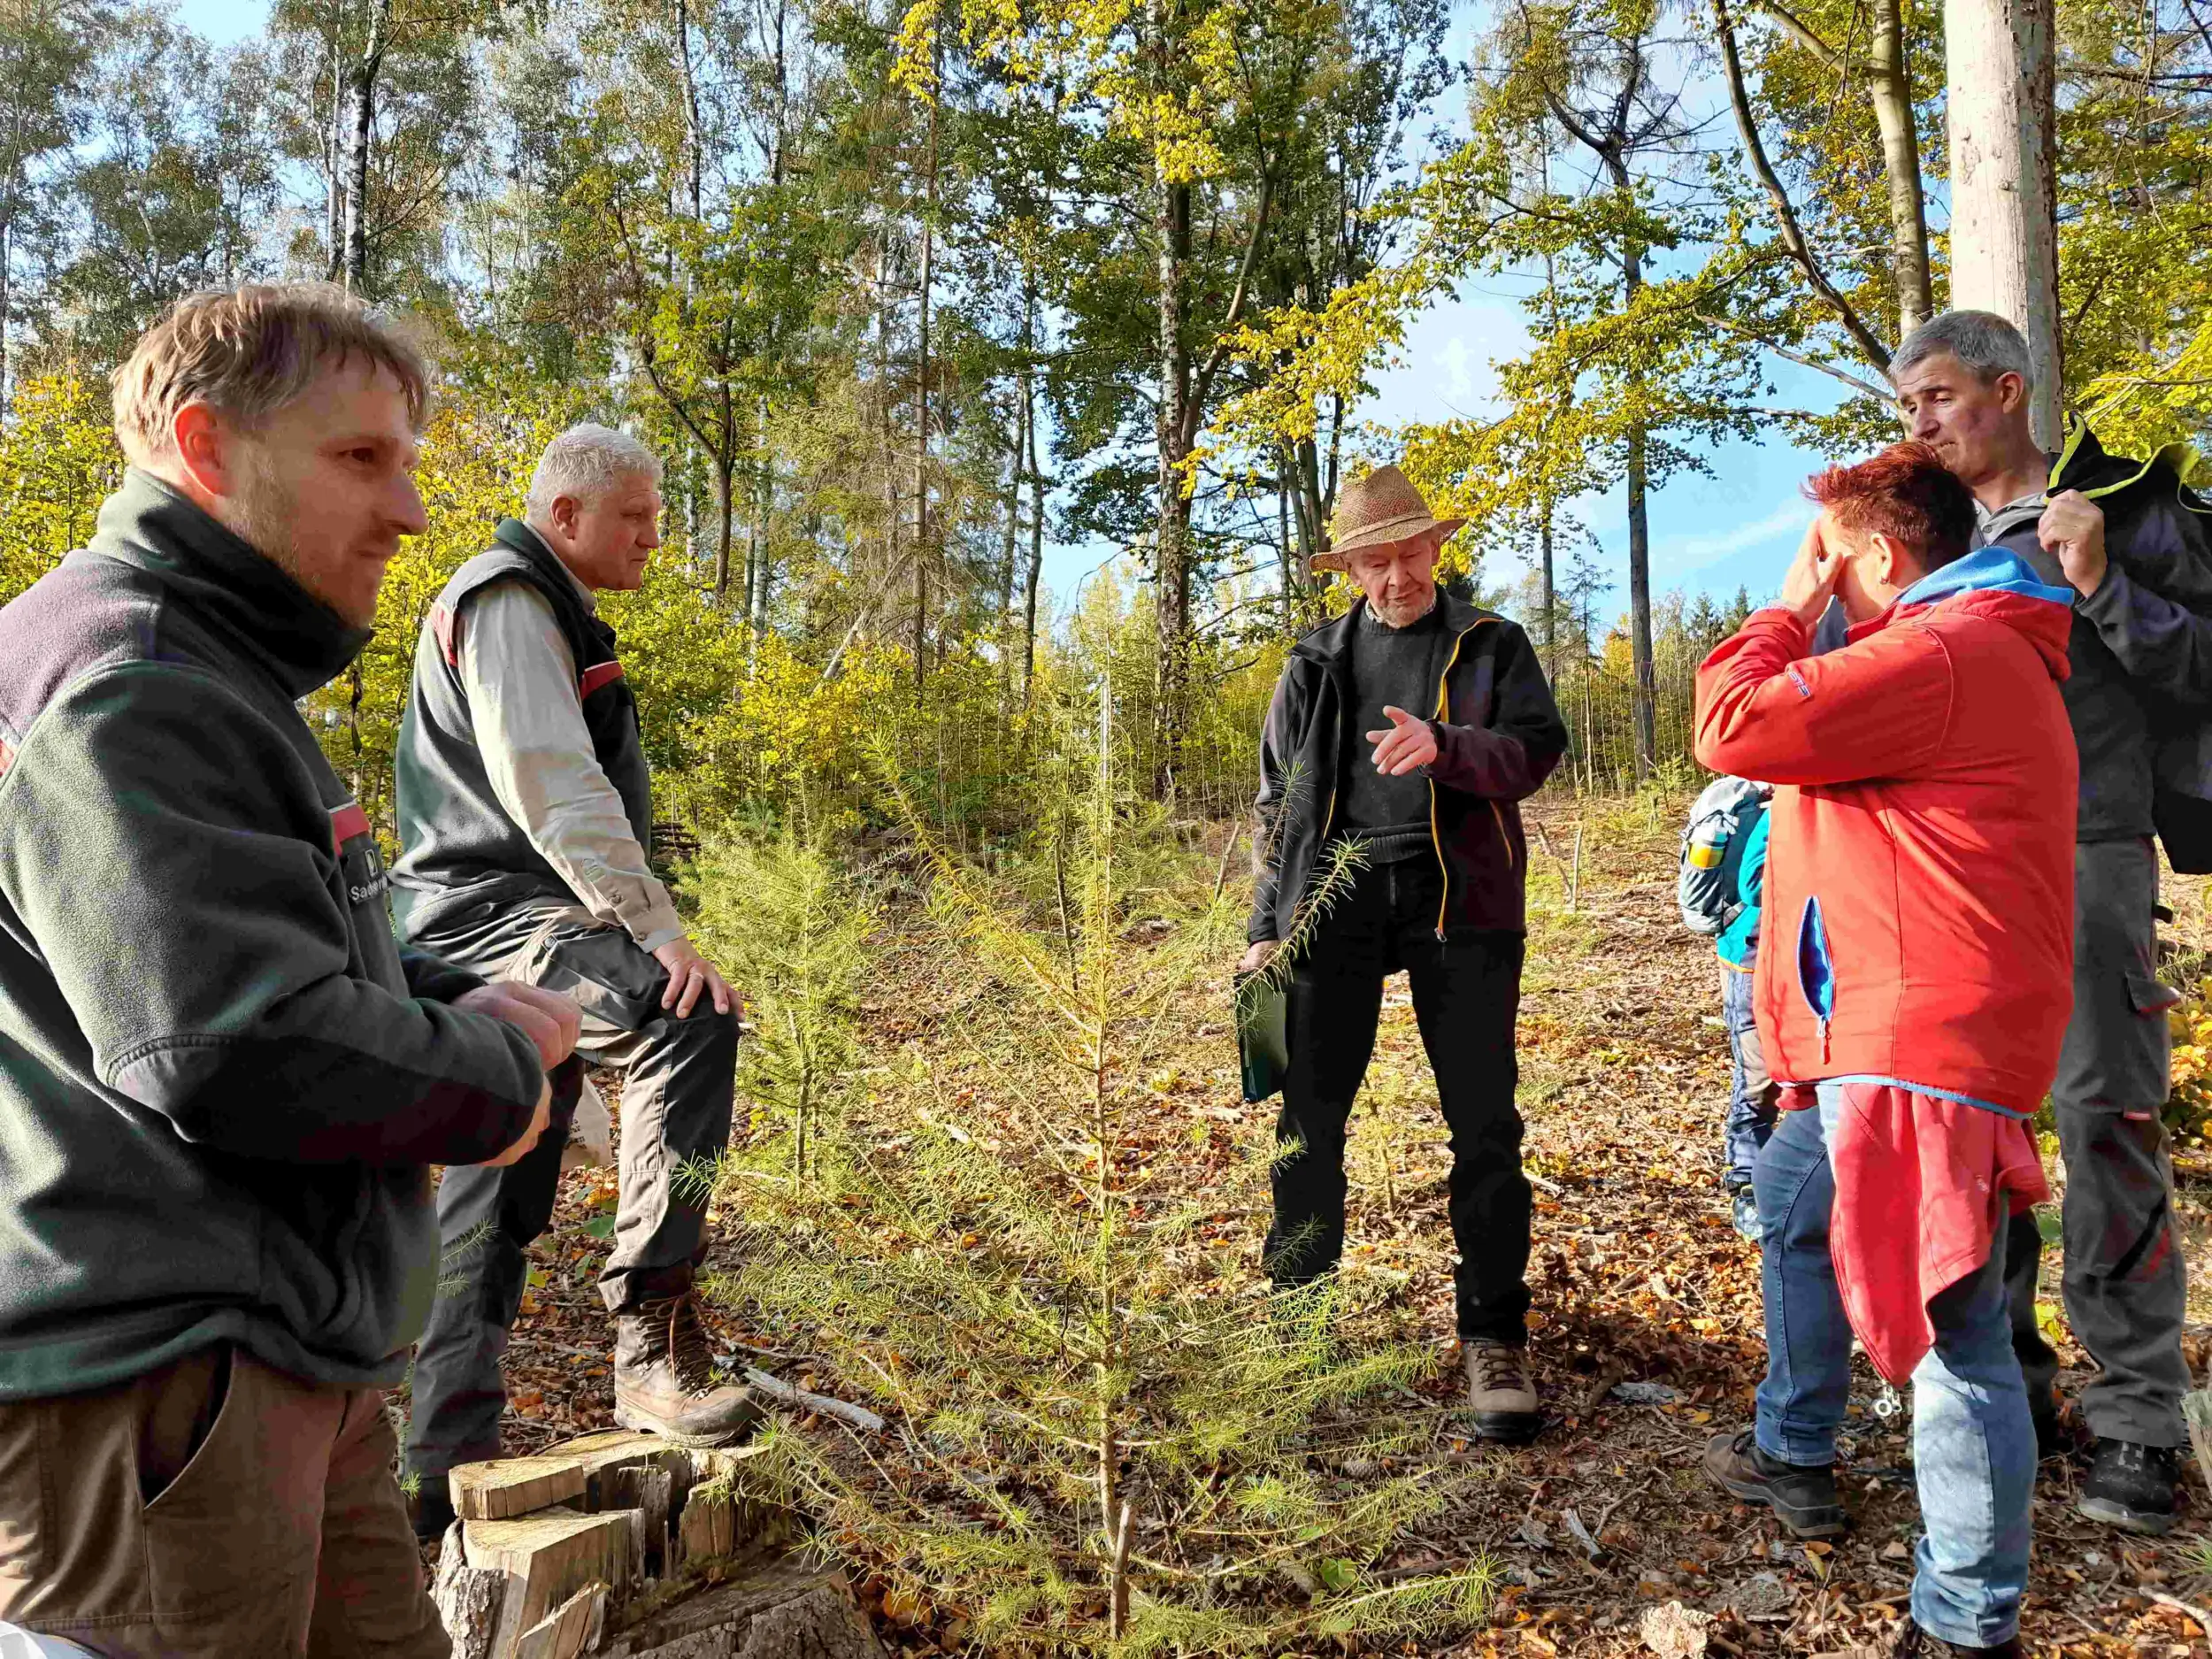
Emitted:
<point x="600" y="1226"/>
<point x="1336" y="1575"/>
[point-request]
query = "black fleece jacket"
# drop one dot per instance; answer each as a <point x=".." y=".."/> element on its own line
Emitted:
<point x="222" y="1082"/>
<point x="1498" y="734"/>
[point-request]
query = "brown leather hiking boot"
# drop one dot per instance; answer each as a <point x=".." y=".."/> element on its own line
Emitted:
<point x="1505" y="1400"/>
<point x="663" y="1379"/>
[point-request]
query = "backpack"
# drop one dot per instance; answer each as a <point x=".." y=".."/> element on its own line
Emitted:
<point x="1712" y="853"/>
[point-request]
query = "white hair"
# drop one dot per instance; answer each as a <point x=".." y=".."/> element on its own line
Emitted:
<point x="584" y="463"/>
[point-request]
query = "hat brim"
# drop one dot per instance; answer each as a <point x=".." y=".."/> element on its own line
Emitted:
<point x="1390" y="532"/>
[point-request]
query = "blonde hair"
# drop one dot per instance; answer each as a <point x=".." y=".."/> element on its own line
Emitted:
<point x="249" y="352"/>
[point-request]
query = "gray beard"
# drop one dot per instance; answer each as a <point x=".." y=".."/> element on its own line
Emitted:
<point x="1403" y="619"/>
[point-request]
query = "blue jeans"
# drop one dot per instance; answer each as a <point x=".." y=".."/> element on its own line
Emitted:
<point x="1973" y="1443"/>
<point x="1751" y="1113"/>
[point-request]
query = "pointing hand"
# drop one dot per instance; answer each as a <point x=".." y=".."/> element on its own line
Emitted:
<point x="1408" y="745"/>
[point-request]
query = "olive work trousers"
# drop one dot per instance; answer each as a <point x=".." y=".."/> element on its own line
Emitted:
<point x="208" y="1510"/>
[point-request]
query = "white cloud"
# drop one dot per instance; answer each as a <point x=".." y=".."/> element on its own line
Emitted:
<point x="1679" y="554"/>
<point x="1456" y="384"/>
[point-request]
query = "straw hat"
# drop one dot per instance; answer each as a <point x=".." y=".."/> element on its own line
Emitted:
<point x="1380" y="508"/>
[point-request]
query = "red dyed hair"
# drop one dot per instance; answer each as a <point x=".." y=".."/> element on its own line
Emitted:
<point x="1905" y="493"/>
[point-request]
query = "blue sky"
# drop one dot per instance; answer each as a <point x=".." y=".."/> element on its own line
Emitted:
<point x="1738" y="527"/>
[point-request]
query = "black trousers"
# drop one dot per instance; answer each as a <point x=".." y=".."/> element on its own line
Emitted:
<point x="1466" y="994"/>
<point x="2127" y="1289"/>
<point x="677" y="1089"/>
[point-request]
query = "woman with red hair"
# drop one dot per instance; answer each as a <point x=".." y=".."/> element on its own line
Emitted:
<point x="1915" y="977"/>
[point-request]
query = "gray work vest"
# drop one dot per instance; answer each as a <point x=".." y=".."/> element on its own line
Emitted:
<point x="457" y="846"/>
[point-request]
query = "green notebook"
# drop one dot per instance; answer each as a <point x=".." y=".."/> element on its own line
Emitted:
<point x="1262" y="1041"/>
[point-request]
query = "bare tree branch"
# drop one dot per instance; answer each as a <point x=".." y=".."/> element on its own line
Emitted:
<point x="1829" y="369"/>
<point x="1793" y="236"/>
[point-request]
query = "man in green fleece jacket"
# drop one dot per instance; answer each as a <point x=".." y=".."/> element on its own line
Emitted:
<point x="222" y="1082"/>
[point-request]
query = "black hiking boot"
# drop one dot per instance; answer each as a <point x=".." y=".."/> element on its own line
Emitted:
<point x="1912" y="1642"/>
<point x="1803" y="1498"/>
<point x="430" y="1507"/>
<point x="2058" y="1431"/>
<point x="663" y="1379"/>
<point x="2132" y="1486"/>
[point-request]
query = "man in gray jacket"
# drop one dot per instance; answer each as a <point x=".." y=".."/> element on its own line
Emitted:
<point x="524" y="815"/>
<point x="222" y="1083"/>
<point x="2130" y="544"/>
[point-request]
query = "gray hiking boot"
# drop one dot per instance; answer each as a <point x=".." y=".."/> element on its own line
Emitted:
<point x="1499" y="1390"/>
<point x="663" y="1379"/>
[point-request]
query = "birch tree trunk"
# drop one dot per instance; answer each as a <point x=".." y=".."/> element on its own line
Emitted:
<point x="2004" y="239"/>
<point x="361" y="123"/>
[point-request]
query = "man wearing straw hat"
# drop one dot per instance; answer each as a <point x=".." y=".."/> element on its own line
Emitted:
<point x="1411" y="725"/>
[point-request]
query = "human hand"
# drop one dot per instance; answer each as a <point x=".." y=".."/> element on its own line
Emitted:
<point x="1258" y="956"/>
<point x="1811" y="581"/>
<point x="539" y="1121"/>
<point x="1410" y="743"/>
<point x="2072" y="527"/>
<point x="550" y="1020"/>
<point x="690" y="975"/>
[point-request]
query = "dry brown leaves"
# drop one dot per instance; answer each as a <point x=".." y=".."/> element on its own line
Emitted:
<point x="1636" y="1274"/>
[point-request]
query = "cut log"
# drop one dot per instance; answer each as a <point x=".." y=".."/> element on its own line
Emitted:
<point x="647" y="1491"/>
<point x="709" y="1528"/>
<point x="469" y="1598"/>
<point x="718" y="1623"/>
<point x="708" y="1644"/>
<point x="823" y="1625"/>
<point x="509" y="1486"/>
<point x="572" y="1628"/>
<point x="547" y="1557"/>
<point x="612" y="1449"/>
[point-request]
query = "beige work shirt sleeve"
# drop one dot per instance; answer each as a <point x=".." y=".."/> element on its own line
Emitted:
<point x="520" y="678"/>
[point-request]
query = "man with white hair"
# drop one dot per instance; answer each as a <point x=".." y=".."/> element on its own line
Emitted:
<point x="524" y="813"/>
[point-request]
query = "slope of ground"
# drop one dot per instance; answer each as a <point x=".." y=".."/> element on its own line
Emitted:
<point x="1636" y="1278"/>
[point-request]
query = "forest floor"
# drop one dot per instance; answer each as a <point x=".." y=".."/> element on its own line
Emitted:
<point x="1637" y="1278"/>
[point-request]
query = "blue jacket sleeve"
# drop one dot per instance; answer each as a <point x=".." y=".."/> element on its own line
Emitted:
<point x="1751" y="871"/>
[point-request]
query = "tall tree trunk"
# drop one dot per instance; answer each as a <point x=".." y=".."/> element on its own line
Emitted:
<point x="1639" y="550"/>
<point x="695" y="144"/>
<point x="1172" y="531"/>
<point x="763" y="512"/>
<point x="723" y="511"/>
<point x="7" y="255"/>
<point x="1036" y="525"/>
<point x="361" y="123"/>
<point x="2000" y="59"/>
<point x="335" y="157"/>
<point x="1010" y="551"/>
<point x="1889" y="85"/>
<point x="922" y="544"/>
<point x="1550" y="592"/>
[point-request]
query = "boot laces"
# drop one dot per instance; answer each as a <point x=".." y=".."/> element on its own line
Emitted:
<point x="677" y="1320"/>
<point x="1500" y="1368"/>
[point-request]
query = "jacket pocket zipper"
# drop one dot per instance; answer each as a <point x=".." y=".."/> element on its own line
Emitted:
<point x="1814" y="958"/>
<point x="1436" y="838"/>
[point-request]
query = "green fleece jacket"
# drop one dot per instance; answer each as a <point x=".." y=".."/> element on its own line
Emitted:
<point x="222" y="1082"/>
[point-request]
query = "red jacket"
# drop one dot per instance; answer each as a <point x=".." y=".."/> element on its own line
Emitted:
<point x="1919" y="920"/>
